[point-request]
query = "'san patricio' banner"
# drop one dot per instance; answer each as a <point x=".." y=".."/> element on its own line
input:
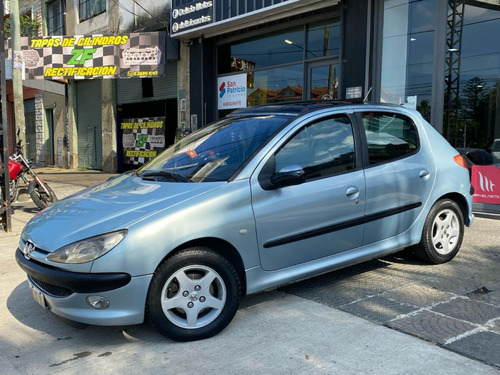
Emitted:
<point x="91" y="57"/>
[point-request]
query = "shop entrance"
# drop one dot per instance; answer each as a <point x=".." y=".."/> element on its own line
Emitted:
<point x="144" y="130"/>
<point x="322" y="80"/>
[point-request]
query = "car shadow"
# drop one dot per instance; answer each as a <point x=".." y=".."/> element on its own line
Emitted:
<point x="30" y="314"/>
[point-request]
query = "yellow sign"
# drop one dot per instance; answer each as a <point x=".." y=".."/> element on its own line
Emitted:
<point x="98" y="56"/>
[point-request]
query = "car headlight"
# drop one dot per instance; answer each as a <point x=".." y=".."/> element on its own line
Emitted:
<point x="88" y="249"/>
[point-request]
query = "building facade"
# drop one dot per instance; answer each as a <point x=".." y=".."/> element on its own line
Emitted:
<point x="100" y="106"/>
<point x="439" y="57"/>
<point x="75" y="121"/>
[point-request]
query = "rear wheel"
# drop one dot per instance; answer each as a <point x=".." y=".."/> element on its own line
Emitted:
<point x="40" y="197"/>
<point x="193" y="295"/>
<point x="443" y="233"/>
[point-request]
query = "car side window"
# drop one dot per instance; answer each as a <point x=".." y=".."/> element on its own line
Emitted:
<point x="322" y="149"/>
<point x="390" y="136"/>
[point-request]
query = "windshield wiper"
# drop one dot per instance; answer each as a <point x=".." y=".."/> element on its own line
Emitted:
<point x="165" y="176"/>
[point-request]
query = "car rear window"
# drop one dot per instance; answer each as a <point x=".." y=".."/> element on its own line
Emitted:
<point x="390" y="136"/>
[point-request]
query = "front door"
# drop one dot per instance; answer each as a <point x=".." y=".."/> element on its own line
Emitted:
<point x="323" y="215"/>
<point x="323" y="80"/>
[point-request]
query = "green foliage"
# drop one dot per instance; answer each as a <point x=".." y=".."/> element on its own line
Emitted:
<point x="28" y="27"/>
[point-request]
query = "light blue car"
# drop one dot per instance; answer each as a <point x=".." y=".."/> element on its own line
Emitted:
<point x="267" y="196"/>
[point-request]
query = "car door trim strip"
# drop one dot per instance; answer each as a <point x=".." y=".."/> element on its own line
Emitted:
<point x="340" y="226"/>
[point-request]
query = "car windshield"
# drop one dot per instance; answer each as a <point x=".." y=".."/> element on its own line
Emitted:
<point x="213" y="153"/>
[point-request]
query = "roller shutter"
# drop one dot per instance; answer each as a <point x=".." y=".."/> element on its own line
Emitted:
<point x="89" y="124"/>
<point x="130" y="90"/>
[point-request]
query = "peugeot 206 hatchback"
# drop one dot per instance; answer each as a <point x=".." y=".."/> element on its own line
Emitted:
<point x="266" y="196"/>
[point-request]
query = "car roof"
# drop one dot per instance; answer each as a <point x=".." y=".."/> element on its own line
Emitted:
<point x="297" y="107"/>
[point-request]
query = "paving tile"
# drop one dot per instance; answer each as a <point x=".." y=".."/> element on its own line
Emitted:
<point x="377" y="309"/>
<point x="485" y="294"/>
<point x="431" y="326"/>
<point x="484" y="346"/>
<point x="417" y="295"/>
<point x="495" y="325"/>
<point x="468" y="310"/>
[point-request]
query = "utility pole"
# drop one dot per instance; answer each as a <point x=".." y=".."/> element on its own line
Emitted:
<point x="17" y="71"/>
<point x="5" y="209"/>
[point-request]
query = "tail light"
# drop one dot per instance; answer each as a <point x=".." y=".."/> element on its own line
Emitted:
<point x="459" y="159"/>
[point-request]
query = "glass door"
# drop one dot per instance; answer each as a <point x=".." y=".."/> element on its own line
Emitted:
<point x="322" y="80"/>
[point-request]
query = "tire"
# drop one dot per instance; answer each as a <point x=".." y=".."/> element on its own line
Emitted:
<point x="443" y="233"/>
<point x="12" y="190"/>
<point x="193" y="295"/>
<point x="40" y="197"/>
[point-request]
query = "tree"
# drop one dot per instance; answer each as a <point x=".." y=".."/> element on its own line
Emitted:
<point x="29" y="27"/>
<point x="474" y="112"/>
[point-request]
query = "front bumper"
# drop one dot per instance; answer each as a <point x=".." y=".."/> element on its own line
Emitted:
<point x="74" y="282"/>
<point x="65" y="293"/>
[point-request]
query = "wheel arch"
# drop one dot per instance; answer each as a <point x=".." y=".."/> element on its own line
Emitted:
<point x="220" y="246"/>
<point x="461" y="201"/>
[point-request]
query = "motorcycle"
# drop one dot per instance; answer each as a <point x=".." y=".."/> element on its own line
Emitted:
<point x="20" y="169"/>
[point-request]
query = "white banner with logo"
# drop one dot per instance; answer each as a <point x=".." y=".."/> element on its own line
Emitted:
<point x="232" y="91"/>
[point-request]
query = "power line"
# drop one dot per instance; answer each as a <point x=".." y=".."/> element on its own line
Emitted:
<point x="151" y="16"/>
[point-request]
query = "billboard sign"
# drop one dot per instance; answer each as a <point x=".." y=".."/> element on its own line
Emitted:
<point x="232" y="91"/>
<point x="89" y="57"/>
<point x="191" y="15"/>
<point x="486" y="182"/>
<point x="142" y="139"/>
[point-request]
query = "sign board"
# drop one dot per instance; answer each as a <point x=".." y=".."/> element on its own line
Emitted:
<point x="191" y="15"/>
<point x="411" y="102"/>
<point x="90" y="57"/>
<point x="142" y="139"/>
<point x="232" y="91"/>
<point x="486" y="182"/>
<point x="353" y="92"/>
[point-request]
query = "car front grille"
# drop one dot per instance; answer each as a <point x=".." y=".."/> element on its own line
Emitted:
<point x="54" y="290"/>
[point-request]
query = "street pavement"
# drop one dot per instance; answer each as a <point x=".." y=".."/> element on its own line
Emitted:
<point x="388" y="316"/>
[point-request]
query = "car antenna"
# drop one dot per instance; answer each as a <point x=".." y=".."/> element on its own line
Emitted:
<point x="368" y="93"/>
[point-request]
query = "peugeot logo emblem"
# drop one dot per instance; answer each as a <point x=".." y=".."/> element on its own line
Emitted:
<point x="28" y="250"/>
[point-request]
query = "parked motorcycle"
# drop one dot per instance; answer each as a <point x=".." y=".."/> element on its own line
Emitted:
<point x="20" y="169"/>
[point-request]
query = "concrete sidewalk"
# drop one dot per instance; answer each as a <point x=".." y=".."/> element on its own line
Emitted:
<point x="272" y="333"/>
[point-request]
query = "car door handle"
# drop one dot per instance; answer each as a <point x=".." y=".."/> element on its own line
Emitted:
<point x="352" y="192"/>
<point x="425" y="174"/>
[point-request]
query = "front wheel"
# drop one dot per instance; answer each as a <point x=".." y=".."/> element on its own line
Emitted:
<point x="12" y="190"/>
<point x="193" y="295"/>
<point x="39" y="196"/>
<point x="443" y="233"/>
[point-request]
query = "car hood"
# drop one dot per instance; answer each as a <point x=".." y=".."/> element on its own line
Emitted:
<point x="115" y="204"/>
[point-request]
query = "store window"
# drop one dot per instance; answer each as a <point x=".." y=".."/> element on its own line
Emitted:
<point x="471" y="75"/>
<point x="472" y="96"/>
<point x="263" y="52"/>
<point x="408" y="53"/>
<point x="472" y="115"/>
<point x="323" y="39"/>
<point x="90" y="8"/>
<point x="55" y="17"/>
<point x="294" y="64"/>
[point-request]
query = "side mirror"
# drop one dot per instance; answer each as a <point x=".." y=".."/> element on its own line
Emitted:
<point x="288" y="176"/>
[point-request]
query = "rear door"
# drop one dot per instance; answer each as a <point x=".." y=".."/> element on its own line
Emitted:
<point x="323" y="215"/>
<point x="400" y="173"/>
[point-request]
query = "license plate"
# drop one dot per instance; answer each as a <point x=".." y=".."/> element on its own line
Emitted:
<point x="38" y="297"/>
